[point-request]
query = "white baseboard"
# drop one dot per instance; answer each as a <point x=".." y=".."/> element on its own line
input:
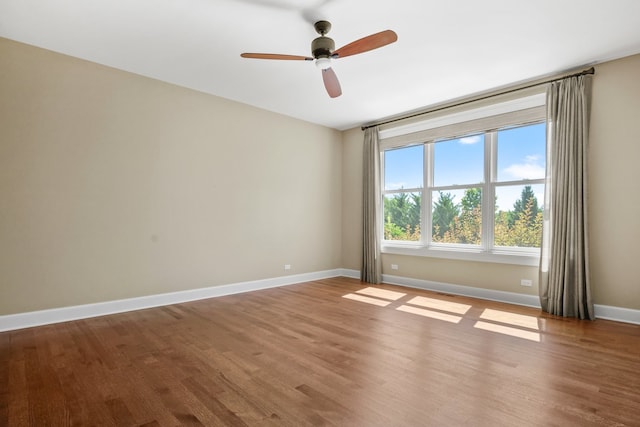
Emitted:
<point x="468" y="291"/>
<point x="618" y="314"/>
<point x="64" y="314"/>
<point x="605" y="312"/>
<point x="56" y="315"/>
<point x="347" y="272"/>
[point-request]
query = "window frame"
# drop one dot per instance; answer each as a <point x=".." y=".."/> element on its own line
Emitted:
<point x="487" y="120"/>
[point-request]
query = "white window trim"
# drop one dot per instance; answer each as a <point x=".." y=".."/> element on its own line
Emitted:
<point x="467" y="116"/>
<point x="521" y="111"/>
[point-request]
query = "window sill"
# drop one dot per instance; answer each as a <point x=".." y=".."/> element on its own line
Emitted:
<point x="500" y="256"/>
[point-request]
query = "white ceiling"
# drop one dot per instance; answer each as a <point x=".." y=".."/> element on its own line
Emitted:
<point x="445" y="49"/>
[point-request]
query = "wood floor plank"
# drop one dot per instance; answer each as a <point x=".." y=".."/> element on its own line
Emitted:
<point x="312" y="354"/>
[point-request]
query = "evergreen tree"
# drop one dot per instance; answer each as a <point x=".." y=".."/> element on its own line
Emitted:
<point x="414" y="211"/>
<point x="402" y="216"/>
<point x="521" y="227"/>
<point x="527" y="200"/>
<point x="444" y="212"/>
<point x="471" y="200"/>
<point x="469" y="224"/>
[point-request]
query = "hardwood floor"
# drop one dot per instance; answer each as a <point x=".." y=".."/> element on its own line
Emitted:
<point x="330" y="352"/>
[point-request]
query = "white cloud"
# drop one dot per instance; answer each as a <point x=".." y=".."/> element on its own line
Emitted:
<point x="530" y="169"/>
<point x="468" y="140"/>
<point x="525" y="171"/>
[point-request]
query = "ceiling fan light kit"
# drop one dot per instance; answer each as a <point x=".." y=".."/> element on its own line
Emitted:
<point x="323" y="51"/>
<point x="323" y="63"/>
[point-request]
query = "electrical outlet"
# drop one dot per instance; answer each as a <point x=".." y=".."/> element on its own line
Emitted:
<point x="394" y="266"/>
<point x="287" y="266"/>
<point x="526" y="282"/>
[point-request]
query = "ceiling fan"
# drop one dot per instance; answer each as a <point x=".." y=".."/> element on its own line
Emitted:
<point x="323" y="52"/>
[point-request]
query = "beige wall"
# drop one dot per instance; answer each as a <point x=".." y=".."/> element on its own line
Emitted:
<point x="352" y="199"/>
<point x="614" y="208"/>
<point x="114" y="185"/>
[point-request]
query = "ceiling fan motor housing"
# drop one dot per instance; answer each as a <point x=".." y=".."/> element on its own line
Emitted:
<point x="322" y="47"/>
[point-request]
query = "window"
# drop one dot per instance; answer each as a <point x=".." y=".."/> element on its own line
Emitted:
<point x="456" y="193"/>
<point x="519" y="186"/>
<point x="472" y="195"/>
<point x="403" y="181"/>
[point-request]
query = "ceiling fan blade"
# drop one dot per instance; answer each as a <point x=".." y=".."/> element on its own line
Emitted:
<point x="366" y="44"/>
<point x="331" y="83"/>
<point x="276" y="56"/>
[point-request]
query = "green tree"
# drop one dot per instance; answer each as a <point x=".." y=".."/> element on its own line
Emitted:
<point x="398" y="208"/>
<point x="522" y="226"/>
<point x="413" y="215"/>
<point x="469" y="222"/>
<point x="527" y="229"/>
<point x="527" y="197"/>
<point x="444" y="212"/>
<point x="402" y="216"/>
<point x="471" y="200"/>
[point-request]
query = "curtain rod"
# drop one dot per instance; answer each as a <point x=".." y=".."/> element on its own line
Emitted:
<point x="468" y="101"/>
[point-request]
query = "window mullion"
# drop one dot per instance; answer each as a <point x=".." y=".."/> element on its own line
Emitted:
<point x="519" y="182"/>
<point x="427" y="197"/>
<point x="488" y="190"/>
<point x="381" y="198"/>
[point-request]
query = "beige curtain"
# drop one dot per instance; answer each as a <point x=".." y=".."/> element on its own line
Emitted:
<point x="371" y="266"/>
<point x="564" y="265"/>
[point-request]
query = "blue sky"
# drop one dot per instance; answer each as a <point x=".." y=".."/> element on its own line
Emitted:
<point x="521" y="155"/>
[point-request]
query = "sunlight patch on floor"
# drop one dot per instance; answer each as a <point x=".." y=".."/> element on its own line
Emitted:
<point x="497" y="321"/>
<point x="451" y="307"/>
<point x="507" y="330"/>
<point x="368" y="300"/>
<point x="430" y="313"/>
<point x="381" y="293"/>
<point x="530" y="322"/>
